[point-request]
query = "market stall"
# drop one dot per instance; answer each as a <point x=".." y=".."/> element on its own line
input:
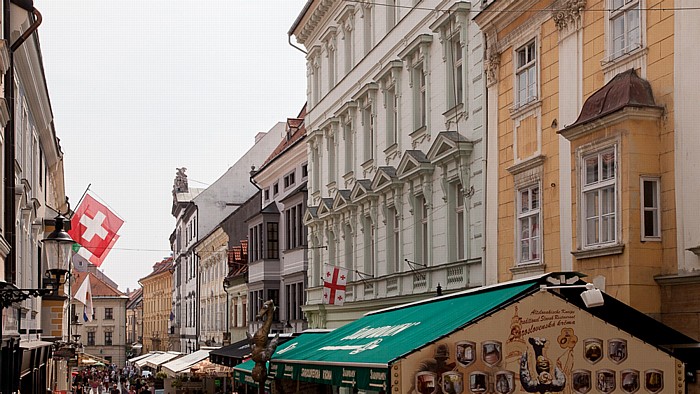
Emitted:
<point x="536" y="335"/>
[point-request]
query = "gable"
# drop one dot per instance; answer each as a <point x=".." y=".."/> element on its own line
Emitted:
<point x="412" y="163"/>
<point x="385" y="176"/>
<point x="448" y="143"/>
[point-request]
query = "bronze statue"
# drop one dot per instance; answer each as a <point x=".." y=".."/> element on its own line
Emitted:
<point x="261" y="350"/>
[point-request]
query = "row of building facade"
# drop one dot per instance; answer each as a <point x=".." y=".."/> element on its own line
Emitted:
<point x="447" y="145"/>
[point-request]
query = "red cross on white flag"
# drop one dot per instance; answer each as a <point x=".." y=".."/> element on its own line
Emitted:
<point x="334" y="280"/>
<point x="95" y="227"/>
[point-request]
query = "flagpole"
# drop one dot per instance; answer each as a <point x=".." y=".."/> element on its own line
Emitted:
<point x="81" y="197"/>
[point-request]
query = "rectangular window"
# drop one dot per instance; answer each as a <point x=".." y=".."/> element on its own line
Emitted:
<point x="368" y="125"/>
<point x="419" y="97"/>
<point x="599" y="203"/>
<point x="651" y="211"/>
<point x="289" y="180"/>
<point x="526" y="73"/>
<point x="392" y="11"/>
<point x="529" y="225"/>
<point x="267" y="194"/>
<point x="349" y="148"/>
<point x="393" y="241"/>
<point x="91" y="338"/>
<point x="368" y="28"/>
<point x="347" y="47"/>
<point x="275" y="189"/>
<point x="304" y="170"/>
<point x="331" y="158"/>
<point x="459" y="222"/>
<point x="625" y="21"/>
<point x="392" y="116"/>
<point x="456" y="90"/>
<point x="331" y="66"/>
<point x="109" y="314"/>
<point x="108" y="338"/>
<point x="273" y="250"/>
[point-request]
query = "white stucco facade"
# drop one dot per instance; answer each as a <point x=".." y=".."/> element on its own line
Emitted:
<point x="396" y="151"/>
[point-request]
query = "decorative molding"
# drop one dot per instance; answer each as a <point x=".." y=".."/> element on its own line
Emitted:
<point x="492" y="65"/>
<point x="528" y="164"/>
<point x="568" y="14"/>
<point x="598" y="252"/>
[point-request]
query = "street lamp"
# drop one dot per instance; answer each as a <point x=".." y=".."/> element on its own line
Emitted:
<point x="58" y="246"/>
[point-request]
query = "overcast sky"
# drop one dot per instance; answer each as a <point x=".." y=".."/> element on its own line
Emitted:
<point x="139" y="88"/>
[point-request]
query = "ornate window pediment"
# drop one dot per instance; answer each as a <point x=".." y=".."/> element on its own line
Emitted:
<point x="412" y="164"/>
<point x="362" y="189"/>
<point x="449" y="144"/>
<point x="310" y="215"/>
<point x="385" y="177"/>
<point x="341" y="200"/>
<point x="325" y="208"/>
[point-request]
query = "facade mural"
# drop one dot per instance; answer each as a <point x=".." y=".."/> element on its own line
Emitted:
<point x="540" y="345"/>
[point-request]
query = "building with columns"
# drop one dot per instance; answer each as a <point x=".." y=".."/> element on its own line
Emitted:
<point x="212" y="251"/>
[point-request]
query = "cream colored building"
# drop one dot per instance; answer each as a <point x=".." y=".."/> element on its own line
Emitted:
<point x="157" y="305"/>
<point x="213" y="268"/>
<point x="105" y="335"/>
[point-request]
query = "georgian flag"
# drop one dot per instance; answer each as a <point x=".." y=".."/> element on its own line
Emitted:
<point x="95" y="228"/>
<point x="334" y="281"/>
<point x="84" y="295"/>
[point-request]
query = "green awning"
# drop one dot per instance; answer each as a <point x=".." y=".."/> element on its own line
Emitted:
<point x="359" y="353"/>
<point x="242" y="373"/>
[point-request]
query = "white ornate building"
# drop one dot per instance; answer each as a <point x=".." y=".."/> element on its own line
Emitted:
<point x="396" y="150"/>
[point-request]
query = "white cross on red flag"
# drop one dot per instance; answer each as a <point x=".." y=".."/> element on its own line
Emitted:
<point x="334" y="281"/>
<point x="95" y="227"/>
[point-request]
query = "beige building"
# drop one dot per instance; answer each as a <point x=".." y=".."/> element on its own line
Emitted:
<point x="105" y="335"/>
<point x="593" y="148"/>
<point x="157" y="305"/>
<point x="213" y="268"/>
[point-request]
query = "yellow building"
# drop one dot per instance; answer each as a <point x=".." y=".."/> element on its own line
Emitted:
<point x="582" y="157"/>
<point x="157" y="305"/>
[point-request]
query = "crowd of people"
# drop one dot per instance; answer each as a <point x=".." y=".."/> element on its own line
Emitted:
<point x="112" y="380"/>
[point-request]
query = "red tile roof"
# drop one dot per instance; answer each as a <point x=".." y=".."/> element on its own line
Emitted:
<point x="295" y="131"/>
<point x="99" y="288"/>
<point x="160" y="267"/>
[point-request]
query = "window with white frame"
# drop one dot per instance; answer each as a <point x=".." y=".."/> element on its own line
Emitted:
<point x="393" y="229"/>
<point x="289" y="179"/>
<point x="392" y="14"/>
<point x="392" y="115"/>
<point x="332" y="255"/>
<point x="456" y="71"/>
<point x="651" y="210"/>
<point x="332" y="54"/>
<point x="369" y="240"/>
<point x="368" y="33"/>
<point x="348" y="49"/>
<point x="460" y="240"/>
<point x="368" y="131"/>
<point x="625" y="27"/>
<point x="528" y="227"/>
<point x="349" y="248"/>
<point x="349" y="146"/>
<point x="526" y="73"/>
<point x="421" y="245"/>
<point x="304" y="170"/>
<point x="599" y="202"/>
<point x="419" y="96"/>
<point x="331" y="156"/>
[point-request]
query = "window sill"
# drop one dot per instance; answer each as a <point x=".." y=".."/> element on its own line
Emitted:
<point x="454" y="111"/>
<point x="598" y="252"/>
<point x="519" y="110"/>
<point x="611" y="61"/>
<point x="418" y="133"/>
<point x="528" y="269"/>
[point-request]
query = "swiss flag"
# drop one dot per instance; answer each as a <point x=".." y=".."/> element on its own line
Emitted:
<point x="95" y="227"/>
<point x="334" y="281"/>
